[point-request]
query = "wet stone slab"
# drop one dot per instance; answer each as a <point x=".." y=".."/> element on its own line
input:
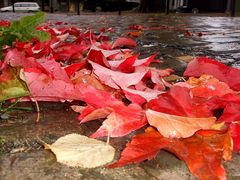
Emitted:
<point x="42" y="165"/>
<point x="224" y="47"/>
<point x="221" y="40"/>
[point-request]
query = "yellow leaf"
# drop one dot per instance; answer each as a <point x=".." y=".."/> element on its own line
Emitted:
<point x="80" y="151"/>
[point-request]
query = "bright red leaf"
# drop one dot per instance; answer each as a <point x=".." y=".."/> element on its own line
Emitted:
<point x="124" y="42"/>
<point x="145" y="61"/>
<point x="71" y="69"/>
<point x="98" y="57"/>
<point x="131" y="63"/>
<point x="91" y="113"/>
<point x="235" y="133"/>
<point x="231" y="113"/>
<point x="230" y="104"/>
<point x="111" y="53"/>
<point x="204" y="65"/>
<point x="127" y="65"/>
<point x="178" y="101"/>
<point x="207" y="86"/>
<point x="122" y="121"/>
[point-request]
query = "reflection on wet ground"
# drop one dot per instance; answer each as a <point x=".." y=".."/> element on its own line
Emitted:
<point x="217" y="37"/>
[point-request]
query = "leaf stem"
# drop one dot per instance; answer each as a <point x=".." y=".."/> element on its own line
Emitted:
<point x="38" y="109"/>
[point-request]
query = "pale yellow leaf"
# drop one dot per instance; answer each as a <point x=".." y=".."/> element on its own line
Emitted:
<point x="80" y="151"/>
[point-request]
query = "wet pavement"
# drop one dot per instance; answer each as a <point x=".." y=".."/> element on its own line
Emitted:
<point x="172" y="37"/>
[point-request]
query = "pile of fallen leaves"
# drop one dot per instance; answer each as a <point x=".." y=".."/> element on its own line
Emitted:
<point x="198" y="120"/>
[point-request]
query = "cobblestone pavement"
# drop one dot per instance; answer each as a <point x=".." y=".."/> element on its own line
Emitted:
<point x="169" y="36"/>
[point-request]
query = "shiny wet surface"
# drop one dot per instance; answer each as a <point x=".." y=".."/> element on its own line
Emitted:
<point x="21" y="152"/>
<point x="166" y="35"/>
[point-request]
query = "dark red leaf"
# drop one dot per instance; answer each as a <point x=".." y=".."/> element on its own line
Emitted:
<point x="231" y="113"/>
<point x="230" y="104"/>
<point x="188" y="33"/>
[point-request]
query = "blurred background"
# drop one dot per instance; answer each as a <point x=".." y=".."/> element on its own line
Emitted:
<point x="141" y="6"/>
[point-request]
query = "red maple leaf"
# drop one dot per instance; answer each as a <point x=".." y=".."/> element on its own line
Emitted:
<point x="202" y="152"/>
<point x="204" y="65"/>
<point x="178" y="101"/>
<point x="124" y="42"/>
<point x="122" y="121"/>
<point x="235" y="133"/>
<point x="207" y="86"/>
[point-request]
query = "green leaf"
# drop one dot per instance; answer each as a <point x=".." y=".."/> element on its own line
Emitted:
<point x="23" y="30"/>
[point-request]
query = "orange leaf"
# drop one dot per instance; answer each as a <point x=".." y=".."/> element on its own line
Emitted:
<point x="207" y="86"/>
<point x="134" y="33"/>
<point x="177" y="126"/>
<point x="204" y="152"/>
